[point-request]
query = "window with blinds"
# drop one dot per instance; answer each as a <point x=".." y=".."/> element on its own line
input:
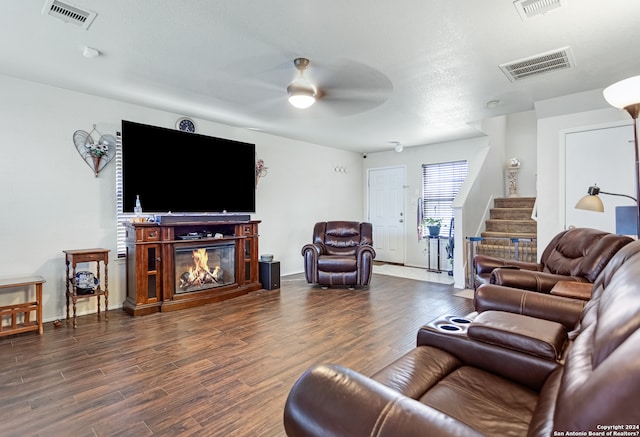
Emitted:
<point x="440" y="185"/>
<point x="121" y="217"/>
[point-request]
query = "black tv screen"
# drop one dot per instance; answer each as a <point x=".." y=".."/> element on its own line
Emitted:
<point x="180" y="172"/>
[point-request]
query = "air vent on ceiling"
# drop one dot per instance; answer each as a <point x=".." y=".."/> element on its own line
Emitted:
<point x="69" y="13"/>
<point x="548" y="62"/>
<point x="534" y="8"/>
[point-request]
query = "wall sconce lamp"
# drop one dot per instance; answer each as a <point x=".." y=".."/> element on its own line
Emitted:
<point x="591" y="202"/>
<point x="626" y="95"/>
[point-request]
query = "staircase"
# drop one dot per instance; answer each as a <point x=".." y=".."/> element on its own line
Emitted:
<point x="510" y="219"/>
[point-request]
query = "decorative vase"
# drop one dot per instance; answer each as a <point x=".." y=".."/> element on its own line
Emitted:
<point x="96" y="164"/>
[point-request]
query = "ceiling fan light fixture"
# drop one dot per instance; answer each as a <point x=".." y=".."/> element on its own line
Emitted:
<point x="301" y="95"/>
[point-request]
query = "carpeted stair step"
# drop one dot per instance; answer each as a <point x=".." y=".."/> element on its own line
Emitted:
<point x="510" y="213"/>
<point x="504" y="238"/>
<point x="514" y="202"/>
<point x="512" y="226"/>
<point x="526" y="252"/>
<point x="507" y="235"/>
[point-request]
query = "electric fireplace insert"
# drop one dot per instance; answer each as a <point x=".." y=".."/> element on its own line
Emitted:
<point x="201" y="267"/>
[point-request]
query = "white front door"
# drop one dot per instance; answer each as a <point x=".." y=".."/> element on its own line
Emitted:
<point x="386" y="213"/>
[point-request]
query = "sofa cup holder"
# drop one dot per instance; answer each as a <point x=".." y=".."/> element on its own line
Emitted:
<point x="449" y="328"/>
<point x="460" y="320"/>
<point x="450" y="324"/>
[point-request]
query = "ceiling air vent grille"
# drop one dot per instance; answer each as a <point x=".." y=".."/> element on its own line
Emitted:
<point x="548" y="62"/>
<point x="534" y="8"/>
<point x="69" y="13"/>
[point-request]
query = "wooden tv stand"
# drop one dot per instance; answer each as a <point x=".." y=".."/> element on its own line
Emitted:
<point x="151" y="249"/>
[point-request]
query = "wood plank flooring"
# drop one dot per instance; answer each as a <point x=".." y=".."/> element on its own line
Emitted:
<point x="223" y="369"/>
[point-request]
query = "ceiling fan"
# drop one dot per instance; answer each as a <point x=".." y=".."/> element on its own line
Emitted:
<point x="345" y="86"/>
<point x="332" y="88"/>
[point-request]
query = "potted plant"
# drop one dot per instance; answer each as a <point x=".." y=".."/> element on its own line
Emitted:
<point x="433" y="224"/>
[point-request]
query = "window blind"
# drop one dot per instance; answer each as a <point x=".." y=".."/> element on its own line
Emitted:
<point x="121" y="217"/>
<point x="440" y="185"/>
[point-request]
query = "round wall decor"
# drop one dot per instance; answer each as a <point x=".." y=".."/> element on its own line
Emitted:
<point x="185" y="124"/>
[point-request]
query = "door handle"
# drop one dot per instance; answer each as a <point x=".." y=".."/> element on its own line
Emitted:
<point x="401" y="221"/>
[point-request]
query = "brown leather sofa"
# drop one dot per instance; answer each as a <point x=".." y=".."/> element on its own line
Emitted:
<point x="577" y="254"/>
<point x="341" y="254"/>
<point x="504" y="374"/>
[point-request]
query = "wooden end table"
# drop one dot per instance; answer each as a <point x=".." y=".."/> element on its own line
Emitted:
<point x="24" y="308"/>
<point x="75" y="257"/>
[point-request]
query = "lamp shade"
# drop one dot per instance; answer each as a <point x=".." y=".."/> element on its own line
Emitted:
<point x="590" y="203"/>
<point x="624" y="93"/>
<point x="302" y="94"/>
<point x="301" y="100"/>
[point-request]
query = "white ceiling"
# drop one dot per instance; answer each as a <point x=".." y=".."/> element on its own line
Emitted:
<point x="408" y="71"/>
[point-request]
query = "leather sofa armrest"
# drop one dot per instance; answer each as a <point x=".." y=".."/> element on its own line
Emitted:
<point x="524" y="368"/>
<point x="334" y="400"/>
<point x="541" y="282"/>
<point x="486" y="264"/>
<point x="529" y="335"/>
<point x="317" y="249"/>
<point x="365" y="254"/>
<point x="365" y="250"/>
<point x="311" y="253"/>
<point x="543" y="306"/>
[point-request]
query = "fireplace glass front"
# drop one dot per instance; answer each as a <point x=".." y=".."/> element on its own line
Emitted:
<point x="204" y="267"/>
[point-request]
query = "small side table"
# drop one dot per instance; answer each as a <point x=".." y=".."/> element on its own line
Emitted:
<point x="74" y="257"/>
<point x="430" y="238"/>
<point x="24" y="308"/>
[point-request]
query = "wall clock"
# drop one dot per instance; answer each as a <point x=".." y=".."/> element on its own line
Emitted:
<point x="185" y="125"/>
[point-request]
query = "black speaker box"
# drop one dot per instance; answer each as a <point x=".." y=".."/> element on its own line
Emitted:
<point x="269" y="274"/>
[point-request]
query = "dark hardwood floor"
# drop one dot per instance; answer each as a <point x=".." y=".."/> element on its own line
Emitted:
<point x="223" y="369"/>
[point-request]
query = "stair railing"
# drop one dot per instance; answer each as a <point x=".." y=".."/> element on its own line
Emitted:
<point x="510" y="248"/>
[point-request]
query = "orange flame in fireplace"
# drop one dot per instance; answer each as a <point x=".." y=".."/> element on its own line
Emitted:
<point x="201" y="259"/>
<point x="199" y="273"/>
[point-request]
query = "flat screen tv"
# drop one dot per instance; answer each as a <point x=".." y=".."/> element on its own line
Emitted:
<point x="180" y="172"/>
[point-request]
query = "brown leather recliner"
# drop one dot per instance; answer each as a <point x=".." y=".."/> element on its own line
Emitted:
<point x="341" y="254"/>
<point x="577" y="254"/>
<point x="491" y="382"/>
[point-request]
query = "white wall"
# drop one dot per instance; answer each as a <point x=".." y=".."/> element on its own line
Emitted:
<point x="521" y="143"/>
<point x="52" y="201"/>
